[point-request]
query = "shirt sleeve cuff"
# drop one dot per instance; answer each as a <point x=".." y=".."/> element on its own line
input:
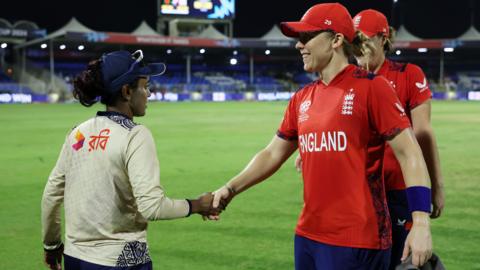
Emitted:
<point x="393" y="132"/>
<point x="189" y="207"/>
<point x="286" y="137"/>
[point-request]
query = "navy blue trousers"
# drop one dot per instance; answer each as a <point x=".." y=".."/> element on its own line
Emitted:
<point x="72" y="263"/>
<point x="401" y="223"/>
<point x="312" y="255"/>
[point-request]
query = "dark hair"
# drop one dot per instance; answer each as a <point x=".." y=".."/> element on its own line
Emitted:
<point x="88" y="87"/>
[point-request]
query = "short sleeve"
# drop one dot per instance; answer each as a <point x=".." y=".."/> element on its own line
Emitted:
<point x="288" y="129"/>
<point x="417" y="86"/>
<point x="386" y="114"/>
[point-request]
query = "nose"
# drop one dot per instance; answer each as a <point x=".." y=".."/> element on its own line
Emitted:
<point x="148" y="92"/>
<point x="299" y="45"/>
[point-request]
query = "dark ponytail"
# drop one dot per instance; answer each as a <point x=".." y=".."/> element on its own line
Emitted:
<point x="88" y="85"/>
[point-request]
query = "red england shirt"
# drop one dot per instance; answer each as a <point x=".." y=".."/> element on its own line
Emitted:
<point x="412" y="90"/>
<point x="341" y="130"/>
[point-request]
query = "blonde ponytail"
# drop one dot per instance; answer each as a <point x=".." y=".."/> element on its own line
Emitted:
<point x="390" y="40"/>
<point x="358" y="47"/>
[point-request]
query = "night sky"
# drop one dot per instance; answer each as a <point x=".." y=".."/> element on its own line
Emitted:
<point x="424" y="18"/>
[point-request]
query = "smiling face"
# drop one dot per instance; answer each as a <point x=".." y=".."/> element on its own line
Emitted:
<point x="316" y="50"/>
<point x="139" y="97"/>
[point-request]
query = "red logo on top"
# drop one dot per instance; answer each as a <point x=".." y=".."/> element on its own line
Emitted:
<point x="99" y="141"/>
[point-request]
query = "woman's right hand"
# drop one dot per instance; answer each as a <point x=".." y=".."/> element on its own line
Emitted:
<point x="203" y="205"/>
<point x="419" y="240"/>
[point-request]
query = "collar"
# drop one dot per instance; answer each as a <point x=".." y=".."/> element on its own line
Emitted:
<point x="383" y="69"/>
<point x="112" y="113"/>
<point x="340" y="75"/>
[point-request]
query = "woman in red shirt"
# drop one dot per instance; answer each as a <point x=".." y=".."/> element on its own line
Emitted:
<point x="333" y="122"/>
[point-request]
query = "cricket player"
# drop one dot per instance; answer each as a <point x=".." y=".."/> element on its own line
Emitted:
<point x="411" y="86"/>
<point x="340" y="124"/>
<point x="107" y="174"/>
<point x="413" y="91"/>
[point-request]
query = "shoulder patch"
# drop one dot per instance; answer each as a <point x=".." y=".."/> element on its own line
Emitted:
<point x="363" y="74"/>
<point x="397" y="66"/>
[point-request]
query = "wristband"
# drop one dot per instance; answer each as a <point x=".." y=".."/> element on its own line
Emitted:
<point x="57" y="247"/>
<point x="189" y="207"/>
<point x="419" y="199"/>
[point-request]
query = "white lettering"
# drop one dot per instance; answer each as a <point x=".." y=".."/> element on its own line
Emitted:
<point x="332" y="141"/>
<point x="324" y="143"/>
<point x="302" y="143"/>
<point x="311" y="141"/>
<point x="5" y="98"/>
<point x="342" y="147"/>
<point x="329" y="141"/>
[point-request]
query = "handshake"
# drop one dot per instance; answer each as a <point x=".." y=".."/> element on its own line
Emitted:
<point x="211" y="204"/>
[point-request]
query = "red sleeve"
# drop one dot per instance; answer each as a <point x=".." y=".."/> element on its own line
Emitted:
<point x="417" y="86"/>
<point x="288" y="129"/>
<point x="385" y="112"/>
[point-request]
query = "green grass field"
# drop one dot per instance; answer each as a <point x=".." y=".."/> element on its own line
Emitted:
<point x="202" y="145"/>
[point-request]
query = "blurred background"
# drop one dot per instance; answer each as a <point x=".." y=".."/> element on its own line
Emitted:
<point x="218" y="49"/>
<point x="219" y="52"/>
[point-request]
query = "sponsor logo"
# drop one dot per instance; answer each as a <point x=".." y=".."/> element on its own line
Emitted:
<point x="329" y="141"/>
<point x="401" y="222"/>
<point x="99" y="141"/>
<point x="328" y="22"/>
<point x="347" y="107"/>
<point x="80" y="140"/>
<point x="422" y="86"/>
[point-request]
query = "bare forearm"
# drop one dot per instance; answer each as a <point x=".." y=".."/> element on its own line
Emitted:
<point x="411" y="161"/>
<point x="263" y="165"/>
<point x="428" y="144"/>
<point x="414" y="171"/>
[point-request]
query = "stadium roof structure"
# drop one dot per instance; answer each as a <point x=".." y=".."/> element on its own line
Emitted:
<point x="5" y="24"/>
<point x="274" y="34"/>
<point x="404" y="35"/>
<point x="471" y="34"/>
<point x="211" y="33"/>
<point x="72" y="26"/>
<point x="145" y="29"/>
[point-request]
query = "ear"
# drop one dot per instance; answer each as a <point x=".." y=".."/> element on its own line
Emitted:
<point x="337" y="40"/>
<point x="126" y="92"/>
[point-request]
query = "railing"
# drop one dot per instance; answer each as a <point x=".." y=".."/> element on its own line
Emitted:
<point x="236" y="88"/>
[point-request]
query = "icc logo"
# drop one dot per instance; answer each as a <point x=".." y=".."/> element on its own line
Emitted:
<point x="305" y="106"/>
